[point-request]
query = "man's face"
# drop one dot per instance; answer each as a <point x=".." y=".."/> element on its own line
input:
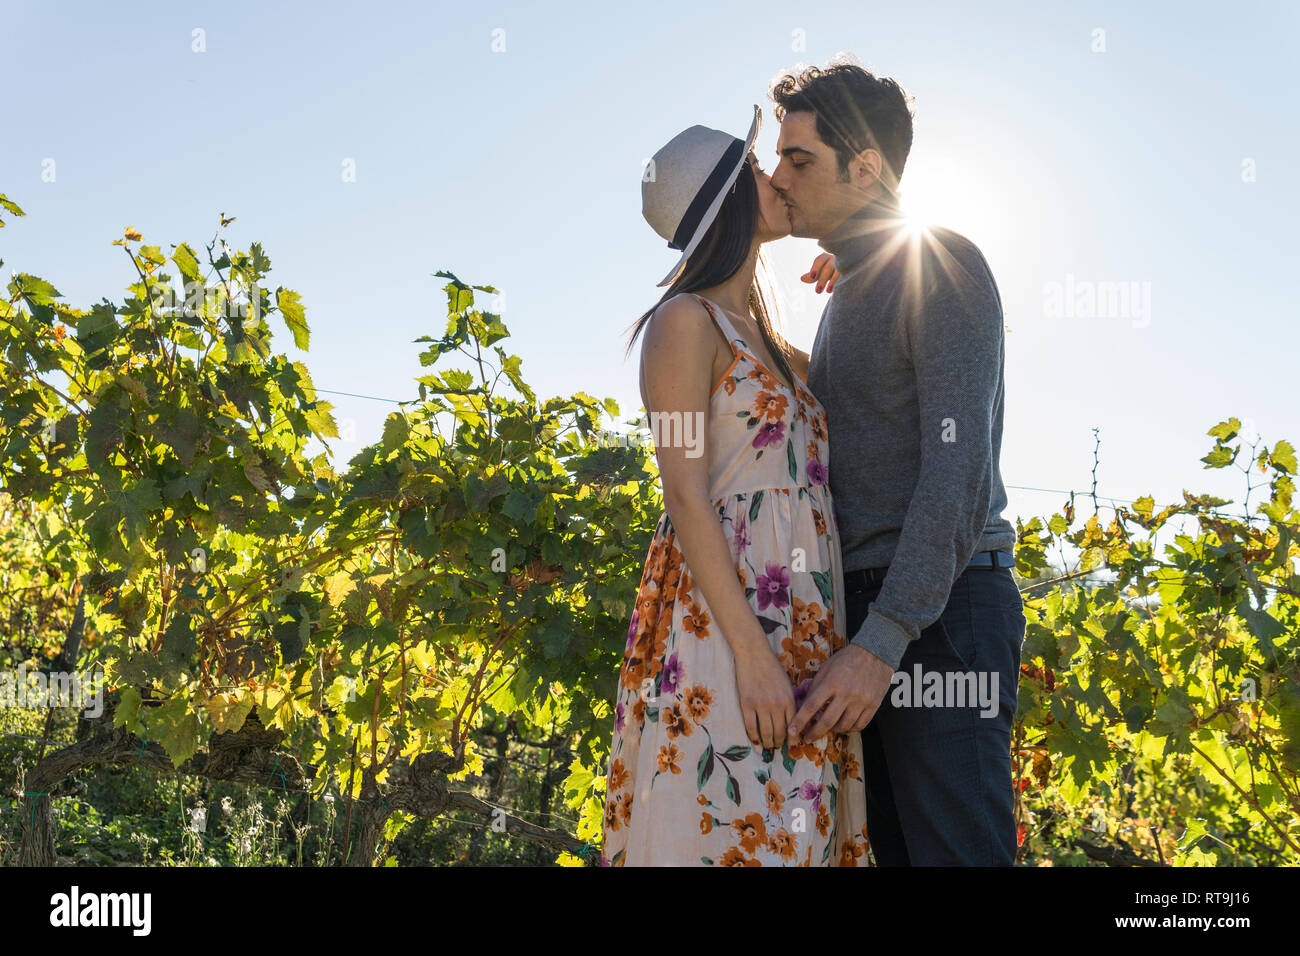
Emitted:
<point x="808" y="179"/>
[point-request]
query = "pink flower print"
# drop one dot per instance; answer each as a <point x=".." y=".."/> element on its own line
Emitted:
<point x="631" y="630"/>
<point x="770" y="433"/>
<point x="740" y="538"/>
<point x="774" y="587"/>
<point x="811" y="790"/>
<point x="800" y="693"/>
<point x="672" y="675"/>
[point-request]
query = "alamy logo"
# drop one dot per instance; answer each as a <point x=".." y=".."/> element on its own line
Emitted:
<point x="665" y="429"/>
<point x="134" y="910"/>
<point x="1085" y="299"/>
<point x="946" y="689"/>
<point x="23" y="688"/>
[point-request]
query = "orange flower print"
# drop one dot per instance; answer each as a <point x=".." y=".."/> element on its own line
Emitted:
<point x="819" y="649"/>
<point x="658" y="562"/>
<point x="797" y="657"/>
<point x="640" y="650"/>
<point x="823" y="820"/>
<point x="850" y="852"/>
<point x="819" y="521"/>
<point x="733" y="857"/>
<point x="706" y="823"/>
<point x="684" y="586"/>
<point x="617" y="775"/>
<point x="697" y="621"/>
<point x="808" y="750"/>
<point x="751" y="832"/>
<point x="819" y="427"/>
<point x="633" y="673"/>
<point x="849" y="767"/>
<point x="782" y="843"/>
<point x="764" y="379"/>
<point x="669" y="755"/>
<point x="611" y="814"/>
<point x="775" y="798"/>
<point x="649" y="641"/>
<point x="673" y="570"/>
<point x="806" y="619"/>
<point x="638" y="710"/>
<point x="675" y="722"/>
<point x="771" y="406"/>
<point x="698" y="701"/>
<point x="625" y="808"/>
<point x="663" y="628"/>
<point x="729" y="385"/>
<point x="671" y="578"/>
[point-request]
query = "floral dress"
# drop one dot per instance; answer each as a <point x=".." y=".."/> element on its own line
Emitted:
<point x="685" y="786"/>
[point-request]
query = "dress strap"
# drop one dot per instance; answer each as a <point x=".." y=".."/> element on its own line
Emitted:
<point x="723" y="323"/>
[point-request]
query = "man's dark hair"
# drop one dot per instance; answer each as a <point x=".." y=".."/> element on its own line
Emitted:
<point x="854" y="109"/>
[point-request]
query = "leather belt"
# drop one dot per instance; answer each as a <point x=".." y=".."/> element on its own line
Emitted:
<point x="864" y="578"/>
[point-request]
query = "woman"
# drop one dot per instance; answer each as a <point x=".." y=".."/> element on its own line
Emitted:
<point x="741" y="599"/>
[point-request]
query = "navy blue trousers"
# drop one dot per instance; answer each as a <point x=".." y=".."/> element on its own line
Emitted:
<point x="938" y="778"/>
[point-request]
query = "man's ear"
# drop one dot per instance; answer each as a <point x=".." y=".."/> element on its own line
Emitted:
<point x="866" y="168"/>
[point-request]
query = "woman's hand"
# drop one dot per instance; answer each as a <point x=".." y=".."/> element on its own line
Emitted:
<point x="766" y="697"/>
<point x="823" y="272"/>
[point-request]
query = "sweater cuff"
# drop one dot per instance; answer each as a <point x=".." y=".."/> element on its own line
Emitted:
<point x="882" y="637"/>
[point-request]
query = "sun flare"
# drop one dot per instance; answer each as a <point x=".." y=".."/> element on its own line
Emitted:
<point x="939" y="196"/>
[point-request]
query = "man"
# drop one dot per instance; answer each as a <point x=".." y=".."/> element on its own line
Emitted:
<point x="908" y="362"/>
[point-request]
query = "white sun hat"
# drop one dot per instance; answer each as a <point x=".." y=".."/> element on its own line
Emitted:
<point x="686" y="182"/>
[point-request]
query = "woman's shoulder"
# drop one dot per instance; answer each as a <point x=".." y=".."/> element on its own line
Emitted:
<point x="684" y="306"/>
<point x="683" y="320"/>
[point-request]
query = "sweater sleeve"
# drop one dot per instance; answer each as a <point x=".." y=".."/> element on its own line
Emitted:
<point x="955" y="338"/>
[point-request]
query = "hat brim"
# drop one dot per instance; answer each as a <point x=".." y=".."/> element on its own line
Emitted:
<point x="712" y="212"/>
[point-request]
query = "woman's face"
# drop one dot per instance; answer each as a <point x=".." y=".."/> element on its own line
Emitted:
<point x="773" y="218"/>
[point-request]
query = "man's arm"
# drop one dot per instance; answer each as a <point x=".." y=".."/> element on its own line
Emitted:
<point x="955" y="338"/>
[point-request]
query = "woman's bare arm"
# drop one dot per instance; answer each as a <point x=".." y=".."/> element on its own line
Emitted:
<point x="677" y="367"/>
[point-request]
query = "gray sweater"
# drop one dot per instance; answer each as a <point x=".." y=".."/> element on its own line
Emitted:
<point x="908" y="363"/>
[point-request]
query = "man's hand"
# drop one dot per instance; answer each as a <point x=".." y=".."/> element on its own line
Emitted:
<point x="823" y="272"/>
<point x="850" y="686"/>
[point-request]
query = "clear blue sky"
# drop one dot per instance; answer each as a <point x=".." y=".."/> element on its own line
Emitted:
<point x="521" y="169"/>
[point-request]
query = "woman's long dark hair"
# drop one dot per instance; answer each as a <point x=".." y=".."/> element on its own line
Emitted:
<point x="720" y="255"/>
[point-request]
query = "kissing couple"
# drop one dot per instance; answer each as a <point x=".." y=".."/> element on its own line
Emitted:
<point x="787" y="590"/>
